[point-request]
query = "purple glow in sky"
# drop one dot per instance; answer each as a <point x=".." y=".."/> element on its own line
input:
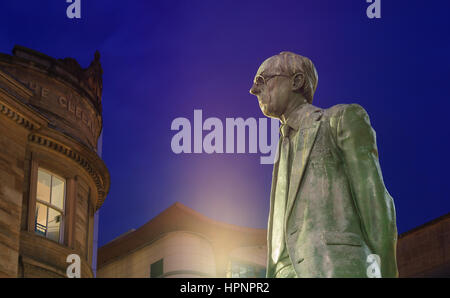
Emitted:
<point x="163" y="59"/>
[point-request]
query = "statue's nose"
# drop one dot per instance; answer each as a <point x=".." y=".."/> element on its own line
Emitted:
<point x="254" y="90"/>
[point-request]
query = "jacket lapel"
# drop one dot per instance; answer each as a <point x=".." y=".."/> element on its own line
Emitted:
<point x="306" y="141"/>
<point x="308" y="137"/>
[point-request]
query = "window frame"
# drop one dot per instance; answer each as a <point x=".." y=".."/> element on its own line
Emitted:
<point x="50" y="205"/>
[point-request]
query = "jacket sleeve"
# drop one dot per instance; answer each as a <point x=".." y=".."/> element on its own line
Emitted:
<point x="357" y="142"/>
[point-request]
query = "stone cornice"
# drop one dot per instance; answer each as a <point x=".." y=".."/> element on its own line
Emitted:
<point x="15" y="108"/>
<point x="47" y="74"/>
<point x="93" y="165"/>
<point x="84" y="156"/>
<point x="52" y="67"/>
<point x="14" y="104"/>
<point x="17" y="117"/>
<point x="21" y="89"/>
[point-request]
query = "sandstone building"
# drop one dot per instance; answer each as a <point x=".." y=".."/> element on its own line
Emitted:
<point x="51" y="178"/>
<point x="425" y="251"/>
<point x="181" y="242"/>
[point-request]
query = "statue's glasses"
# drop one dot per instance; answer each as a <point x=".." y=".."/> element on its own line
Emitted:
<point x="260" y="80"/>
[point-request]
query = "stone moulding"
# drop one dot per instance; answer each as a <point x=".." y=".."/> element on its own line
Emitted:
<point x="75" y="156"/>
<point x="101" y="183"/>
<point x="16" y="117"/>
<point x="28" y="73"/>
<point x="42" y="130"/>
<point x="66" y="70"/>
<point x="19" y="88"/>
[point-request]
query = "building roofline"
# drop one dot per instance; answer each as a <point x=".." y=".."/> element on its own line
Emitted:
<point x="163" y="224"/>
<point x="218" y="223"/>
<point x="425" y="225"/>
<point x="66" y="70"/>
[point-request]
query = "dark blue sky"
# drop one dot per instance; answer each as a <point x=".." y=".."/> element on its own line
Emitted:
<point x="163" y="59"/>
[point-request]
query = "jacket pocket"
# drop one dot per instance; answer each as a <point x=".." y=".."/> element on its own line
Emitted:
<point x="337" y="238"/>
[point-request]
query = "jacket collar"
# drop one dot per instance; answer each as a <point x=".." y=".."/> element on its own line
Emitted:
<point x="295" y="119"/>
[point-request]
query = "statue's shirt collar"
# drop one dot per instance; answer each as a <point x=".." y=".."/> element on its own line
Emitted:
<point x="295" y="118"/>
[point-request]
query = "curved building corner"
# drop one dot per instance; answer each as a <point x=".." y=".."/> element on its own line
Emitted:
<point x="182" y="243"/>
<point x="52" y="181"/>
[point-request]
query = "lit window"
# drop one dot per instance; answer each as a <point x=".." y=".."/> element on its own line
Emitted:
<point x="157" y="269"/>
<point x="50" y="197"/>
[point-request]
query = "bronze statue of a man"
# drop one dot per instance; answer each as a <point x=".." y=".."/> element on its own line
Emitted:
<point x="330" y="212"/>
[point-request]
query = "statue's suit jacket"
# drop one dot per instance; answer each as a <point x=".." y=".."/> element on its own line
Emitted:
<point x="338" y="210"/>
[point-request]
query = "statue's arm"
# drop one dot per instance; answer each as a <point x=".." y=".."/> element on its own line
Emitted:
<point x="357" y="142"/>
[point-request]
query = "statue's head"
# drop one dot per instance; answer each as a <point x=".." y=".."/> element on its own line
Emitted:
<point x="282" y="80"/>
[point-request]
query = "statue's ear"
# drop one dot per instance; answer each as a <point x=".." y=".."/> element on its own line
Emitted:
<point x="298" y="80"/>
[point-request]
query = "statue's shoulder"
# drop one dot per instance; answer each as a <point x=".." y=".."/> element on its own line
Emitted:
<point x="344" y="112"/>
<point x="339" y="109"/>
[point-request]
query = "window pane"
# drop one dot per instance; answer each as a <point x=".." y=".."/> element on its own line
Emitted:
<point x="57" y="192"/>
<point x="242" y="270"/>
<point x="262" y="273"/>
<point x="157" y="268"/>
<point x="41" y="219"/>
<point x="43" y="187"/>
<point x="235" y="267"/>
<point x="54" y="223"/>
<point x="250" y="271"/>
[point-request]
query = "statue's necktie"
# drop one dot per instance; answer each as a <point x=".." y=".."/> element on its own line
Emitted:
<point x="281" y="196"/>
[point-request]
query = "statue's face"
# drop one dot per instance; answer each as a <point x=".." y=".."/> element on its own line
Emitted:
<point x="273" y="90"/>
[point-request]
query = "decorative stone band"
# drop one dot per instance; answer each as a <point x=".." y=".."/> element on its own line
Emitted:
<point x="187" y="272"/>
<point x="16" y="117"/>
<point x="76" y="157"/>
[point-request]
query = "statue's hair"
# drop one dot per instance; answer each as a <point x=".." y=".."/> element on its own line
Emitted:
<point x="291" y="64"/>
